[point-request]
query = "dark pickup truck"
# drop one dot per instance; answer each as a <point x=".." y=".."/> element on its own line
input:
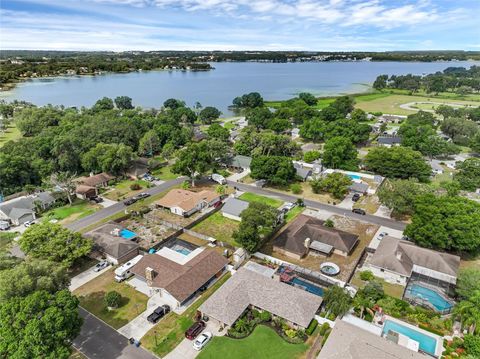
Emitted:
<point x="158" y="313"/>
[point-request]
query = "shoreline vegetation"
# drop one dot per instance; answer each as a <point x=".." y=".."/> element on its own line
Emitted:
<point x="20" y="65"/>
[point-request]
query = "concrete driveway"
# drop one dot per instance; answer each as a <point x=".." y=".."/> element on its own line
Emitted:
<point x="107" y="202"/>
<point x="347" y="203"/>
<point x="85" y="277"/>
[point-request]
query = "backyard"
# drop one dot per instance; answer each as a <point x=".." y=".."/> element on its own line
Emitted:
<point x="263" y="343"/>
<point x="393" y="290"/>
<point x="5" y="239"/>
<point x="218" y="227"/>
<point x="169" y="332"/>
<point x="91" y="296"/>
<point x="69" y="213"/>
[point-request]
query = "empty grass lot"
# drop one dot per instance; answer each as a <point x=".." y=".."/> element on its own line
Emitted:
<point x="263" y="343"/>
<point x="122" y="189"/>
<point x="170" y="331"/>
<point x="252" y="197"/>
<point x="92" y="293"/>
<point x="69" y="213"/>
<point x="218" y="227"/>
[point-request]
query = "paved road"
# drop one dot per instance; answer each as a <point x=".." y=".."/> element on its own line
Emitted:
<point x="387" y="222"/>
<point x="119" y="207"/>
<point x="98" y="340"/>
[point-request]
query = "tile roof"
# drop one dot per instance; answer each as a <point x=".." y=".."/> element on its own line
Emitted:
<point x="347" y="341"/>
<point x="246" y="288"/>
<point x="181" y="281"/>
<point x="293" y="237"/>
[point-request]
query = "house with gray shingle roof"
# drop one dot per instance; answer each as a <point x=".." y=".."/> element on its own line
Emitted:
<point x="248" y="288"/>
<point x="23" y="209"/>
<point x="240" y="162"/>
<point x="302" y="172"/>
<point x="233" y="208"/>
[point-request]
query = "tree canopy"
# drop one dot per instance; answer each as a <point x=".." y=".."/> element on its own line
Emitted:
<point x="277" y="170"/>
<point x="400" y="195"/>
<point x="339" y="152"/>
<point x="468" y="174"/>
<point x="335" y="183"/>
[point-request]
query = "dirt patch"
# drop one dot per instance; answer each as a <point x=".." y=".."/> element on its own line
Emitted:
<point x="150" y="232"/>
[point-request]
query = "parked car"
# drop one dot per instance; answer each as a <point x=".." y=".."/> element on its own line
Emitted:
<point x="28" y="223"/>
<point x="356" y="197"/>
<point x="195" y="330"/>
<point x="96" y="199"/>
<point x="359" y="211"/>
<point x="4" y="225"/>
<point x="158" y="313"/>
<point x="100" y="265"/>
<point x="202" y="340"/>
<point x="383" y="234"/>
<point x="217" y="204"/>
<point x="129" y="201"/>
<point x="142" y="195"/>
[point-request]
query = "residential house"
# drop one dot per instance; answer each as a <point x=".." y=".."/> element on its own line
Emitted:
<point x="110" y="243"/>
<point x="302" y="172"/>
<point x="138" y="168"/>
<point x="437" y="168"/>
<point x="251" y="289"/>
<point x="358" y="187"/>
<point x="87" y="187"/>
<point x="307" y="234"/>
<point x="240" y="163"/>
<point x="233" y="208"/>
<point x="389" y="141"/>
<point x="23" y="209"/>
<point x="178" y="277"/>
<point x="185" y="203"/>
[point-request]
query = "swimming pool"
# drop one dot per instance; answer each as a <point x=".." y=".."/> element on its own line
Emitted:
<point x="430" y="295"/>
<point x="426" y="343"/>
<point x="127" y="234"/>
<point x="183" y="251"/>
<point x="355" y="177"/>
<point x="309" y="287"/>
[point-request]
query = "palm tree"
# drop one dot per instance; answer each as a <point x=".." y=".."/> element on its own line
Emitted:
<point x="469" y="312"/>
<point x="337" y="301"/>
<point x="363" y="303"/>
<point x="242" y="326"/>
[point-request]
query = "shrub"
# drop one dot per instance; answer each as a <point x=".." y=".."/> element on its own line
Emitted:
<point x="112" y="299"/>
<point x="135" y="187"/>
<point x="472" y="345"/>
<point x="291" y="333"/>
<point x="186" y="185"/>
<point x="329" y="223"/>
<point x="265" y="316"/>
<point x="255" y="313"/>
<point x="296" y="188"/>
<point x="311" y="327"/>
<point x="366" y="275"/>
<point x="325" y="337"/>
<point x="311" y="156"/>
<point x="324" y="328"/>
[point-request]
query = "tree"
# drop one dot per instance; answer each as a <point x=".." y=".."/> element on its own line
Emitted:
<point x="335" y="183"/>
<point x="112" y="299"/>
<point x="308" y="98"/>
<point x="219" y="132"/>
<point x="258" y="117"/>
<point x="183" y="115"/>
<point x="475" y="142"/>
<point x="257" y="223"/>
<point x="400" y="195"/>
<point x="468" y="282"/>
<point x="149" y="144"/>
<point x="104" y="104"/>
<point x="279" y="125"/>
<point x="445" y="222"/>
<point x="40" y="325"/>
<point x="193" y="161"/>
<point x="108" y="157"/>
<point x="468" y="174"/>
<point x="311" y="156"/>
<point x="173" y="104"/>
<point x="434" y="146"/>
<point x="468" y="310"/>
<point x="337" y="300"/>
<point x="250" y="100"/>
<point x="359" y="115"/>
<point x="123" y="102"/>
<point x="209" y="114"/>
<point x="54" y="242"/>
<point x="460" y="130"/>
<point x="398" y="162"/>
<point x="277" y="170"/>
<point x="380" y="82"/>
<point x="343" y="105"/>
<point x="63" y="181"/>
<point x="30" y="276"/>
<point x="339" y="152"/>
<point x="472" y="345"/>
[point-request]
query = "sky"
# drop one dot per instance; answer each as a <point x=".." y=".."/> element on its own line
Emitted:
<point x="316" y="25"/>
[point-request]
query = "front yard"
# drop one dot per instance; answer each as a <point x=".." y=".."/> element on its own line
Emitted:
<point x="122" y="189"/>
<point x="69" y="213"/>
<point x="218" y="227"/>
<point x="169" y="332"/>
<point x="91" y="297"/>
<point x="369" y="203"/>
<point x="164" y="173"/>
<point x="263" y="343"/>
<point x="252" y="197"/>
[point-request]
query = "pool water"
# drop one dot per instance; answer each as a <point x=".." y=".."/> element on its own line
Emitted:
<point x="427" y="343"/>
<point x="309" y="287"/>
<point x="355" y="177"/>
<point x="183" y="251"/>
<point x="127" y="234"/>
<point x="430" y="295"/>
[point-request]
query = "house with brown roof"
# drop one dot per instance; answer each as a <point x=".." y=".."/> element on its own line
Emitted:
<point x="177" y="276"/>
<point x="88" y="186"/>
<point x="185" y="203"/>
<point x="307" y="234"/>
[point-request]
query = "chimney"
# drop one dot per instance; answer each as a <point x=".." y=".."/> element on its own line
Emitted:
<point x="307" y="243"/>
<point x="149" y="275"/>
<point x="398" y="254"/>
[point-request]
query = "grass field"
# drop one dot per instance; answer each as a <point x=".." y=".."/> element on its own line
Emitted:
<point x="5" y="240"/>
<point x="218" y="227"/>
<point x="252" y="197"/>
<point x="122" y="189"/>
<point x="263" y="343"/>
<point x="169" y="332"/>
<point x="92" y="293"/>
<point x="393" y="290"/>
<point x="12" y="133"/>
<point x="165" y="173"/>
<point x="67" y="214"/>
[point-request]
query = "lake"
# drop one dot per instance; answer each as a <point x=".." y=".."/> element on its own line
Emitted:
<point x="274" y="81"/>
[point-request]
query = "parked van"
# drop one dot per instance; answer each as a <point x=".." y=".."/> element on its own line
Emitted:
<point x="4" y="225"/>
<point x="124" y="271"/>
<point x="218" y="178"/>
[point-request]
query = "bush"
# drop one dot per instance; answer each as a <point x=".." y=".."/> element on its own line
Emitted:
<point x="311" y="156"/>
<point x="325" y="337"/>
<point x="255" y="313"/>
<point x="430" y="329"/>
<point x="472" y="345"/>
<point x="135" y="187"/>
<point x="265" y="316"/>
<point x="311" y="327"/>
<point x="112" y="299"/>
<point x="291" y="333"/>
<point x="366" y="275"/>
<point x="324" y="328"/>
<point x="329" y="223"/>
<point x="296" y="188"/>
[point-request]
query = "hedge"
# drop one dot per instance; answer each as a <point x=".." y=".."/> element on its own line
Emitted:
<point x="431" y="330"/>
<point x="311" y="327"/>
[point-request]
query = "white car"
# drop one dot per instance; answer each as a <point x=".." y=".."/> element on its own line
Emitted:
<point x="99" y="266"/>
<point x="202" y="340"/>
<point x="28" y="223"/>
<point x="383" y="234"/>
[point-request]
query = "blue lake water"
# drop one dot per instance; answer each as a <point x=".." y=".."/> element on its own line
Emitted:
<point x="218" y="87"/>
<point x="427" y="343"/>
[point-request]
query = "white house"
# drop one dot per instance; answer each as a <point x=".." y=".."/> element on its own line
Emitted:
<point x="185" y="203"/>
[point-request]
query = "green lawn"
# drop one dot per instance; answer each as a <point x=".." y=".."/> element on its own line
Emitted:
<point x="218" y="227"/>
<point x="92" y="293"/>
<point x="252" y="197"/>
<point x="263" y="343"/>
<point x="12" y="133"/>
<point x="393" y="290"/>
<point x="165" y="173"/>
<point x="169" y="332"/>
<point x="121" y="189"/>
<point x="70" y="213"/>
<point x="5" y="239"/>
<point x="293" y="213"/>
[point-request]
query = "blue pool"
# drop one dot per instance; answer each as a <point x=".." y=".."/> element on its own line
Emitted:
<point x="127" y="234"/>
<point x="355" y="177"/>
<point x="430" y="295"/>
<point x="309" y="287"/>
<point x="183" y="251"/>
<point x="427" y="343"/>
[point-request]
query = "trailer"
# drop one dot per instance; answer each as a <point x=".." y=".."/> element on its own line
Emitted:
<point x="124" y="271"/>
<point x="218" y="178"/>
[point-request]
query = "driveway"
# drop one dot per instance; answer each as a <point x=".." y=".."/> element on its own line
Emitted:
<point x="85" y="277"/>
<point x="347" y="202"/>
<point x="238" y="176"/>
<point x="391" y="232"/>
<point x="99" y="340"/>
<point x="107" y="202"/>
